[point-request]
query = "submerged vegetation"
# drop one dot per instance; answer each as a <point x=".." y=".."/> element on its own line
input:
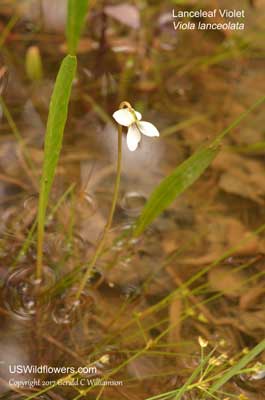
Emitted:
<point x="131" y="252"/>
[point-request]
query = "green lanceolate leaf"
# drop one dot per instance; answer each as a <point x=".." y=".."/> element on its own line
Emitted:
<point x="54" y="135"/>
<point x="184" y="176"/>
<point x="56" y="122"/>
<point x="77" y="11"/>
<point x="173" y="185"/>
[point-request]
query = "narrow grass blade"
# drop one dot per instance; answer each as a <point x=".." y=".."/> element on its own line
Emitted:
<point x="30" y="239"/>
<point x="178" y="393"/>
<point x="235" y="370"/>
<point x="53" y="141"/>
<point x="184" y="176"/>
<point x="8" y="28"/>
<point x="255" y="148"/>
<point x="77" y="11"/>
<point x="99" y="110"/>
<point x="16" y="133"/>
<point x="193" y="376"/>
<point x="182" y="125"/>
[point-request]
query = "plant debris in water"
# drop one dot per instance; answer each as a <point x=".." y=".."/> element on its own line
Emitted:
<point x="174" y="306"/>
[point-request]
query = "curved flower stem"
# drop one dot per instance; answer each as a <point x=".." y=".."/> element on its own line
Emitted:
<point x="101" y="242"/>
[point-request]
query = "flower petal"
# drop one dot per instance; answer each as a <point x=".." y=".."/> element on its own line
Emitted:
<point x="133" y="137"/>
<point x="148" y="129"/>
<point x="138" y="115"/>
<point x="124" y="117"/>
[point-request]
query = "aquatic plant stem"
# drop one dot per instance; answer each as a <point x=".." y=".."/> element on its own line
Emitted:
<point x="40" y="241"/>
<point x="102" y="240"/>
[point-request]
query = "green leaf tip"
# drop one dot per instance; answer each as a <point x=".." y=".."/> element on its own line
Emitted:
<point x="76" y="17"/>
<point x="58" y="110"/>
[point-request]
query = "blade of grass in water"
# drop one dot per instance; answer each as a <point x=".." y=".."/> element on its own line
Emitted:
<point x="182" y="125"/>
<point x="16" y="133"/>
<point x="30" y="239"/>
<point x="8" y="28"/>
<point x="53" y="142"/>
<point x="235" y="370"/>
<point x="193" y="376"/>
<point x="103" y="115"/>
<point x="77" y="11"/>
<point x="184" y="176"/>
<point x="225" y="377"/>
<point x="255" y="148"/>
<point x="178" y="393"/>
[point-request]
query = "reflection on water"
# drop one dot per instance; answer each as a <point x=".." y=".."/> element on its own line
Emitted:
<point x="191" y="87"/>
<point x="22" y="292"/>
<point x="132" y="203"/>
<point x="13" y="396"/>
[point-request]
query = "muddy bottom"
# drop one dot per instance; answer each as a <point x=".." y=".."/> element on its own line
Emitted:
<point x="196" y="272"/>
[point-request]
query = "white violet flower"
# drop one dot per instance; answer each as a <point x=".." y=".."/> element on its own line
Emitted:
<point x="132" y="119"/>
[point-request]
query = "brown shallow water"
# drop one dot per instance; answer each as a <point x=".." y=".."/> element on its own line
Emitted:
<point x="137" y="311"/>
